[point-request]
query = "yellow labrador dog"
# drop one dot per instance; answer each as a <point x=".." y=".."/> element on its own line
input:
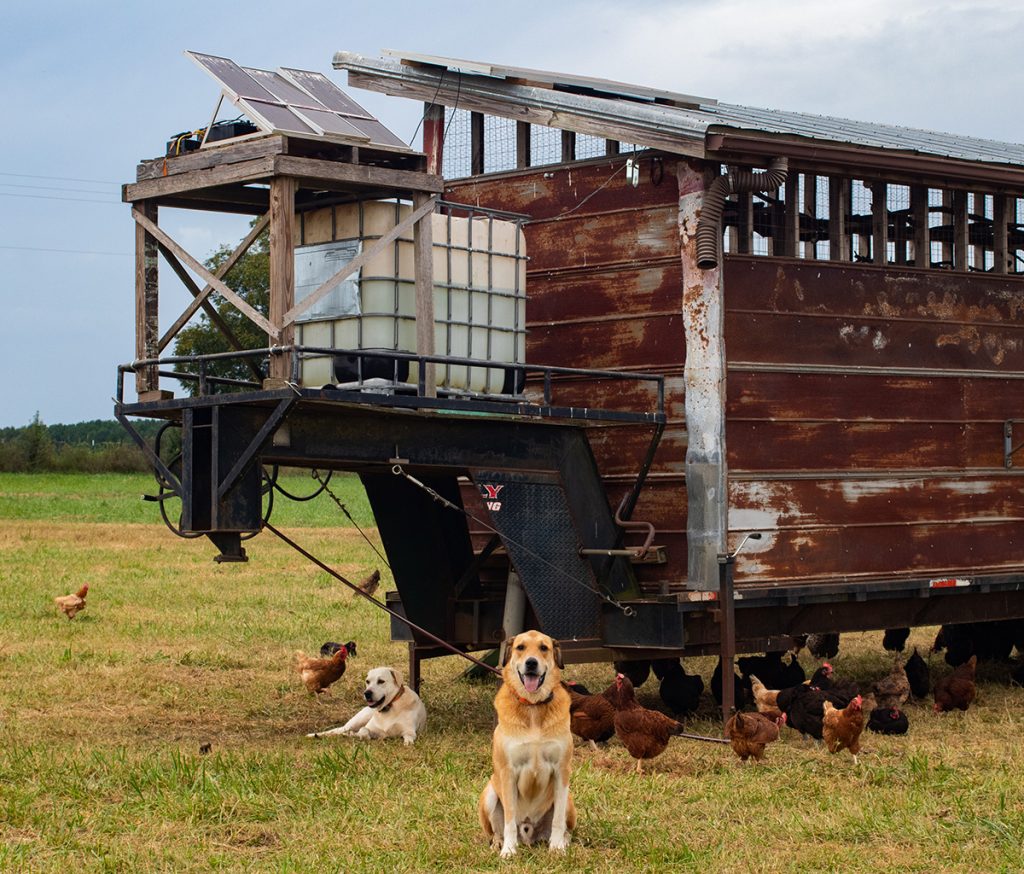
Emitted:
<point x="527" y="797"/>
<point x="392" y="710"/>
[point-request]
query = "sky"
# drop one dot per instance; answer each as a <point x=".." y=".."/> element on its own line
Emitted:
<point x="90" y="89"/>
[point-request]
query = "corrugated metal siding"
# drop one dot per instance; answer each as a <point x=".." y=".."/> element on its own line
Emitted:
<point x="604" y="289"/>
<point x="865" y="420"/>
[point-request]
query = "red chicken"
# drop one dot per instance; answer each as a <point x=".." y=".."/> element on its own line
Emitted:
<point x="750" y="733"/>
<point x="592" y="717"/>
<point x="841" y="729"/>
<point x="72" y="604"/>
<point x="644" y="733"/>
<point x="318" y="674"/>
<point x="957" y="690"/>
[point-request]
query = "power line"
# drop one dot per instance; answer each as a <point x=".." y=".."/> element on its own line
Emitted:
<point x="60" y="178"/>
<point x="67" y="251"/>
<point x="51" y="197"/>
<point x="50" y="188"/>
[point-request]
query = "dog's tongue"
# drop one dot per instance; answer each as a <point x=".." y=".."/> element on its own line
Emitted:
<point x="531" y="684"/>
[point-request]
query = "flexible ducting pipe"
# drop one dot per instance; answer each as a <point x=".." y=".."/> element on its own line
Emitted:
<point x="709" y="227"/>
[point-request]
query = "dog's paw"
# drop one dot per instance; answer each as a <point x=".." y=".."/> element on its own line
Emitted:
<point x="409" y="741"/>
<point x="508" y="852"/>
<point x="559" y="844"/>
<point x="315" y="734"/>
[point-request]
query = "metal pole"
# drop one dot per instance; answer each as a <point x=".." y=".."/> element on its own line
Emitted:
<point x="727" y="632"/>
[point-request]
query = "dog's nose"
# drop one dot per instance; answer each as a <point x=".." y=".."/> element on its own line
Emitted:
<point x="368" y="695"/>
<point x="531" y="664"/>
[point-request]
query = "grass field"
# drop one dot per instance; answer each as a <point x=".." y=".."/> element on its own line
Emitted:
<point x="102" y="718"/>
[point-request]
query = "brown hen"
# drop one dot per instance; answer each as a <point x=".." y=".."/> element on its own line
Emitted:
<point x="750" y="733"/>
<point x="644" y="733"/>
<point x="72" y="604"/>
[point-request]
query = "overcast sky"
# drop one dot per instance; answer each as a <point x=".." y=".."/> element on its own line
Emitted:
<point x="89" y="89"/>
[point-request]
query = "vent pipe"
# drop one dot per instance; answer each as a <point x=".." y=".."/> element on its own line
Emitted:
<point x="709" y="227"/>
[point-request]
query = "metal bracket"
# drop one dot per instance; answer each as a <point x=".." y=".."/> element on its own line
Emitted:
<point x="1008" y="448"/>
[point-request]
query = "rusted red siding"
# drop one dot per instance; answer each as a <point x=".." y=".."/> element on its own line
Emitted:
<point x="865" y="420"/>
<point x="604" y="290"/>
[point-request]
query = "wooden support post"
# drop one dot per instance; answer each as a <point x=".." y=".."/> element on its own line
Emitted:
<point x="433" y="137"/>
<point x="423" y="265"/>
<point x="476" y="143"/>
<point x="978" y="249"/>
<point x="745" y="223"/>
<point x="811" y="210"/>
<point x="960" y="230"/>
<point x="919" y="218"/>
<point x="524" y="132"/>
<point x="791" y="232"/>
<point x="611" y="147"/>
<point x="947" y="219"/>
<point x="879" y="223"/>
<point x="147" y="299"/>
<point x="704" y="375"/>
<point x="282" y="270"/>
<point x="568" y="146"/>
<point x="1001" y="208"/>
<point x="838" y="207"/>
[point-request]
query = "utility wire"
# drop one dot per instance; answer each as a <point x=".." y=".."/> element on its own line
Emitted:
<point x="65" y="251"/>
<point x="61" y="179"/>
<point x="71" y="199"/>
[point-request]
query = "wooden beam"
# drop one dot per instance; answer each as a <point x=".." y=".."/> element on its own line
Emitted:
<point x="612" y="147"/>
<point x="360" y="259"/>
<point x="879" y="222"/>
<point x="568" y="146"/>
<point x="811" y="209"/>
<point x="524" y="132"/>
<point x="791" y="229"/>
<point x="199" y="296"/>
<point x="213" y="156"/>
<point x="256" y="170"/>
<point x="433" y="137"/>
<point x="211" y="311"/>
<point x="194" y="265"/>
<point x="960" y="238"/>
<point x="147" y="301"/>
<point x="947" y="219"/>
<point x="476" y="143"/>
<point x="745" y="223"/>
<point x="838" y="207"/>
<point x="1001" y="210"/>
<point x="323" y="173"/>
<point x="282" y="268"/>
<point x="919" y="217"/>
<point x="423" y="266"/>
<point x="978" y="249"/>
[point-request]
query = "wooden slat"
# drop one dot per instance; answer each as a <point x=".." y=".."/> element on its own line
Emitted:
<point x="199" y="296"/>
<point x="612" y="147"/>
<point x="1001" y="206"/>
<point x="360" y="259"/>
<point x="811" y="210"/>
<point x="838" y="207"/>
<point x="355" y="175"/>
<point x="423" y="265"/>
<point x="745" y="223"/>
<point x="476" y="143"/>
<point x="194" y="265"/>
<point x="255" y="170"/>
<point x="282" y="268"/>
<point x="568" y="146"/>
<point x="791" y="234"/>
<point x="919" y="215"/>
<point x="213" y="156"/>
<point x="879" y="222"/>
<point x="960" y="231"/>
<point x="147" y="300"/>
<point x="523" y="144"/>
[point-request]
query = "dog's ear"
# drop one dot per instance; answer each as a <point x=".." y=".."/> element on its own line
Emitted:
<point x="558" y="653"/>
<point x="506" y="650"/>
<point x="395" y="677"/>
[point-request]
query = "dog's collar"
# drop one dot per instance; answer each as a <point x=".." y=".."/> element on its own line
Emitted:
<point x="547" y="700"/>
<point x="393" y="700"/>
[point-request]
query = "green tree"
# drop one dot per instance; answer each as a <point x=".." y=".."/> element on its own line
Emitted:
<point x="250" y="279"/>
<point x="37" y="446"/>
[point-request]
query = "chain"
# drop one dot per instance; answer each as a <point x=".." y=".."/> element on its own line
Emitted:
<point x="608" y="599"/>
<point x="325" y="487"/>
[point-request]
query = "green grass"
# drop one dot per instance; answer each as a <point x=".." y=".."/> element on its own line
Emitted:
<point x="102" y="718"/>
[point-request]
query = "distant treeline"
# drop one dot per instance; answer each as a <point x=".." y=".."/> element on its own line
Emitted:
<point x="99" y="446"/>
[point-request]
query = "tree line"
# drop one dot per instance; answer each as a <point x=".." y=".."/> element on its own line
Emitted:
<point x="96" y="446"/>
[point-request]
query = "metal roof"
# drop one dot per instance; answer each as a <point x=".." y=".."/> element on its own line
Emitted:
<point x="645" y="116"/>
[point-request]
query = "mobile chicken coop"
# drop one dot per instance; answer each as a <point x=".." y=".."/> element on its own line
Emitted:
<point x="593" y="336"/>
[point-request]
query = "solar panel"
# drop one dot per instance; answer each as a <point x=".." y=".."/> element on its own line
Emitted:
<point x="298" y="102"/>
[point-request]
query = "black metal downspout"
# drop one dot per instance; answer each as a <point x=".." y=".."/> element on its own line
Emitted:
<point x="709" y="228"/>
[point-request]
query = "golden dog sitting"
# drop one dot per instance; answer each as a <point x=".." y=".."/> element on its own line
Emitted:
<point x="527" y="798"/>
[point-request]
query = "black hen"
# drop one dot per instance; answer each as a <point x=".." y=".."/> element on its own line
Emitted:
<point x="919" y="675"/>
<point x="330" y="648"/>
<point x="637" y="671"/>
<point x="823" y="646"/>
<point x="679" y="690"/>
<point x="792" y="674"/>
<point x="895" y="639"/>
<point x="804" y="707"/>
<point x="888" y="720"/>
<point x="768" y="668"/>
<point x="740" y="693"/>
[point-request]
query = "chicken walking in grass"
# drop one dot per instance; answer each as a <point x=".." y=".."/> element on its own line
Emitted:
<point x="318" y="674"/>
<point x="644" y="733"/>
<point x="750" y="733"/>
<point x="893" y="690"/>
<point x="957" y="690"/>
<point x="765" y="699"/>
<point x="841" y="729"/>
<point x="591" y="717"/>
<point x="918" y="675"/>
<point x="72" y="604"/>
<point x="370" y="585"/>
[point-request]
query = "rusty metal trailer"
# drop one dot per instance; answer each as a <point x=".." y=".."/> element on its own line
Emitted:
<point x="740" y="322"/>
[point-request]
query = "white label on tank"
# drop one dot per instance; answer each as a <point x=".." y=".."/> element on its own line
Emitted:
<point x="314" y="265"/>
